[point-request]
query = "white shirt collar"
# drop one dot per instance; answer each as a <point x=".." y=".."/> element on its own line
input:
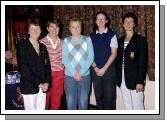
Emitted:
<point x="53" y="45"/>
<point x="105" y="31"/>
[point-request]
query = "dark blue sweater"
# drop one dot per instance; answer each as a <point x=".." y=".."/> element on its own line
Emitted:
<point x="101" y="46"/>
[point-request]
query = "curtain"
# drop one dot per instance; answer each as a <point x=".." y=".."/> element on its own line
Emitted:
<point x="20" y="27"/>
<point x="145" y="27"/>
<point x="9" y="34"/>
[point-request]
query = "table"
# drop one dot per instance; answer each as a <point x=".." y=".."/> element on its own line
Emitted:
<point x="12" y="80"/>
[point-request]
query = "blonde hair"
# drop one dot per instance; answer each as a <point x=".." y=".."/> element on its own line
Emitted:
<point x="75" y="20"/>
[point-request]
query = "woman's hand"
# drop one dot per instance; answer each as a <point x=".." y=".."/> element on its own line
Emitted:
<point x="139" y="88"/>
<point x="100" y="72"/>
<point x="77" y="76"/>
<point x="44" y="86"/>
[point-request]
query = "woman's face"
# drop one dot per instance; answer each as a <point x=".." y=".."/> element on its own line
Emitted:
<point x="101" y="20"/>
<point x="53" y="29"/>
<point x="129" y="24"/>
<point x="75" y="28"/>
<point x="34" y="31"/>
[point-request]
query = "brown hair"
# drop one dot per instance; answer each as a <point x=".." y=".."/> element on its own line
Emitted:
<point x="34" y="21"/>
<point x="55" y="21"/>
<point x="131" y="15"/>
<point x="106" y="16"/>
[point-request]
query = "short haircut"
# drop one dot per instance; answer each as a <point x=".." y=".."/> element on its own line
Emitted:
<point x="106" y="16"/>
<point x="33" y="21"/>
<point x="54" y="21"/>
<point x="131" y="15"/>
<point x="75" y="20"/>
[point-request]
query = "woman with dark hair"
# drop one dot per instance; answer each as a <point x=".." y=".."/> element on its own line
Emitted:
<point x="54" y="46"/>
<point x="131" y="64"/>
<point x="34" y="67"/>
<point x="103" y="69"/>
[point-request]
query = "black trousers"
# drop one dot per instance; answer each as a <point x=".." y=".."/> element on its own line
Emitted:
<point x="105" y="89"/>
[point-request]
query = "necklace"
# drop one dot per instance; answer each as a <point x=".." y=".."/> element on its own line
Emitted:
<point x="36" y="45"/>
<point x="37" y="48"/>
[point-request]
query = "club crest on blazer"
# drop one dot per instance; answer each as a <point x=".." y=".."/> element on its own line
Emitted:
<point x="132" y="55"/>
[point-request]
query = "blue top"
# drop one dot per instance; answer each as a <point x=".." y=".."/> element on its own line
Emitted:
<point x="77" y="56"/>
<point x="102" y="43"/>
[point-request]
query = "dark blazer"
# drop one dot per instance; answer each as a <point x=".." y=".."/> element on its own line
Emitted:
<point x="135" y="61"/>
<point x="34" y="69"/>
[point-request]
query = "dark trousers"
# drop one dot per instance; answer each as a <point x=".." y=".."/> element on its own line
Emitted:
<point x="105" y="89"/>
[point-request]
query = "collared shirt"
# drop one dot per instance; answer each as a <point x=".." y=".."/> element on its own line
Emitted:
<point x="113" y="42"/>
<point x="55" y="52"/>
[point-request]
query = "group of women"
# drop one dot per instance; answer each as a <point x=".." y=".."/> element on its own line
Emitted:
<point x="51" y="65"/>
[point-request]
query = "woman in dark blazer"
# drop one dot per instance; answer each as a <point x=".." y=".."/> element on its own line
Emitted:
<point x="34" y="67"/>
<point x="131" y="64"/>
